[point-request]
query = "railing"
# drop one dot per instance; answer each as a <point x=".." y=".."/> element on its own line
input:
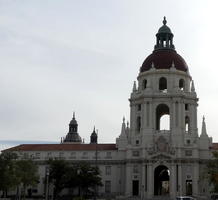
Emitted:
<point x="163" y="131"/>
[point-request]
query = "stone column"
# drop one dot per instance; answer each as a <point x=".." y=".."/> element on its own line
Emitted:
<point x="150" y="181"/>
<point x="128" y="191"/>
<point x="195" y="179"/>
<point x="180" y="179"/>
<point x="173" y="181"/>
<point x="142" y="189"/>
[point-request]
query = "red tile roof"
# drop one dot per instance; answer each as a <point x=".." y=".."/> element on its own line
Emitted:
<point x="163" y="59"/>
<point x="62" y="147"/>
<point x="214" y="146"/>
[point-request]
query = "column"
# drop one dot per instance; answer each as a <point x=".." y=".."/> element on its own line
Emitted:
<point x="180" y="179"/>
<point x="142" y="190"/>
<point x="150" y="182"/>
<point x="173" y="181"/>
<point x="128" y="183"/>
<point x="195" y="179"/>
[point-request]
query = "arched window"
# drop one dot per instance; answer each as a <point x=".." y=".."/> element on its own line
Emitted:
<point x="144" y="84"/>
<point x="163" y="84"/>
<point x="138" y="123"/>
<point x="162" y="117"/>
<point x="187" y="124"/>
<point x="182" y="84"/>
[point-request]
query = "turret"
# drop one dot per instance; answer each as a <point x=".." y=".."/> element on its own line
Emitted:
<point x="94" y="137"/>
<point x="73" y="136"/>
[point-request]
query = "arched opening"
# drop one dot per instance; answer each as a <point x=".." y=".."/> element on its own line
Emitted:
<point x="165" y="122"/>
<point x="162" y="117"/>
<point x="187" y="124"/>
<point x="182" y="84"/>
<point x="161" y="180"/>
<point x="144" y="84"/>
<point x="163" y="84"/>
<point x="138" y="123"/>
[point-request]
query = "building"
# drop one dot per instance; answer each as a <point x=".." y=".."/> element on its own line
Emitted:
<point x="146" y="161"/>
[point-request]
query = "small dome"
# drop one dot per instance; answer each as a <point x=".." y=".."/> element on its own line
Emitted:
<point x="163" y="59"/>
<point x="164" y="29"/>
<point x="73" y="121"/>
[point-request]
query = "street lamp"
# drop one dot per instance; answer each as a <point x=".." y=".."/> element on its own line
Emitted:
<point x="47" y="181"/>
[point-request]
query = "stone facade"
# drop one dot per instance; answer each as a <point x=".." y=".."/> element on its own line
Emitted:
<point x="147" y="160"/>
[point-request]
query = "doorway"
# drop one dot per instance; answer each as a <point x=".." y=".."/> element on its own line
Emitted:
<point x="189" y="187"/>
<point x="161" y="180"/>
<point x="135" y="187"/>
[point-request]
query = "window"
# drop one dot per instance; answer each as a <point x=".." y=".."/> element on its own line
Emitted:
<point x="49" y="155"/>
<point x="187" y="124"/>
<point x="135" y="153"/>
<point x="162" y="117"/>
<point x="135" y="169"/>
<point x="145" y="84"/>
<point x="188" y="152"/>
<point x="137" y="142"/>
<point x="188" y="142"/>
<point x="186" y="106"/>
<point x="85" y="155"/>
<point x="108" y="170"/>
<point x="181" y="84"/>
<point x="37" y="155"/>
<point x="139" y="107"/>
<point x="61" y="154"/>
<point x="107" y="186"/>
<point x="108" y="154"/>
<point x="73" y="155"/>
<point x="138" y="124"/>
<point x="163" y="84"/>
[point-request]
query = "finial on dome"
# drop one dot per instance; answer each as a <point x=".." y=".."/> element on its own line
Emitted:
<point x="123" y="119"/>
<point x="203" y="130"/>
<point x="164" y="21"/>
<point x="192" y="86"/>
<point x="73" y="115"/>
<point x="134" y="86"/>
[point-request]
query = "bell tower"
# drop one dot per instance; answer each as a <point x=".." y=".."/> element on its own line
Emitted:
<point x="161" y="143"/>
<point x="165" y="89"/>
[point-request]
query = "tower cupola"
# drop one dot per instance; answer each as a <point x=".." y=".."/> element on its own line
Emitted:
<point x="164" y="37"/>
<point x="94" y="137"/>
<point x="164" y="53"/>
<point x="72" y="135"/>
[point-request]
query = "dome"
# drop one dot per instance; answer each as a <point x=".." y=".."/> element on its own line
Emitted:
<point x="73" y="121"/>
<point x="163" y="59"/>
<point x="164" y="29"/>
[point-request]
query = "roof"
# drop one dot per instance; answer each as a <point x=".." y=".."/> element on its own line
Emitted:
<point x="214" y="146"/>
<point x="163" y="59"/>
<point x="62" y="147"/>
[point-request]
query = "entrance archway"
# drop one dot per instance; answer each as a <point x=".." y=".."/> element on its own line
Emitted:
<point x="161" y="180"/>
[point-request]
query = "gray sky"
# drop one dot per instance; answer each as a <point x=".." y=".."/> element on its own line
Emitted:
<point x="57" y="57"/>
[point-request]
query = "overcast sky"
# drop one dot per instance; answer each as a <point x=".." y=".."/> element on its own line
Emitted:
<point x="61" y="56"/>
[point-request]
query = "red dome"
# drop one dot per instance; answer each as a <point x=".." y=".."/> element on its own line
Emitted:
<point x="163" y="59"/>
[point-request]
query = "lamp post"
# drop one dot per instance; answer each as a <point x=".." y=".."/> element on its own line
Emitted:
<point x="47" y="185"/>
<point x="78" y="173"/>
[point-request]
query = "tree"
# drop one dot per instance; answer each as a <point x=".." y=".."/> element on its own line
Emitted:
<point x="58" y="175"/>
<point x="27" y="173"/>
<point x="212" y="171"/>
<point x="87" y="177"/>
<point x="7" y="172"/>
<point x="81" y="175"/>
